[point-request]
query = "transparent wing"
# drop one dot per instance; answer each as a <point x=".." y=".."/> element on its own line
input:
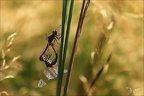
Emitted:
<point x="57" y="40"/>
<point x="58" y="29"/>
<point x="49" y="73"/>
<point x="41" y="83"/>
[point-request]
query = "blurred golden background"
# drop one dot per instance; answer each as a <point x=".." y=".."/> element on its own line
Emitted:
<point x="23" y="28"/>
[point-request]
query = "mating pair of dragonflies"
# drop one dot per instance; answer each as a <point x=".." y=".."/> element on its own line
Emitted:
<point x="51" y="70"/>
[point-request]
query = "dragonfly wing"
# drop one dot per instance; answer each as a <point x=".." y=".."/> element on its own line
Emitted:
<point x="48" y="74"/>
<point x="55" y="68"/>
<point x="41" y="83"/>
<point x="52" y="72"/>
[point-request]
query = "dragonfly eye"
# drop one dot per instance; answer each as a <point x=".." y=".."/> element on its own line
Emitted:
<point x="55" y="32"/>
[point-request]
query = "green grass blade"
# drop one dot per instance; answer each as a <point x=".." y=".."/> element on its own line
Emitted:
<point x="60" y="72"/>
<point x="67" y="32"/>
<point x="81" y="19"/>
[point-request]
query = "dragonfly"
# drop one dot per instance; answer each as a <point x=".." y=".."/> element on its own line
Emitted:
<point x="54" y="37"/>
<point x="49" y="74"/>
<point x="45" y="57"/>
<point x="51" y="70"/>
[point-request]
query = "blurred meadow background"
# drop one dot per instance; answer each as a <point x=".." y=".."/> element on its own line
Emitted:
<point x="110" y="26"/>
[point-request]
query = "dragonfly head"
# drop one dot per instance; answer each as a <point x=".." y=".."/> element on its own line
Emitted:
<point x="55" y="32"/>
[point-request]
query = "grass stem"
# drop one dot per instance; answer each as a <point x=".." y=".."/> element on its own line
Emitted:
<point x="77" y="36"/>
<point x="66" y="22"/>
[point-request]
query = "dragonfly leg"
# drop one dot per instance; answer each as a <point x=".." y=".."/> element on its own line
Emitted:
<point x="57" y="41"/>
<point x="59" y="36"/>
<point x="54" y="48"/>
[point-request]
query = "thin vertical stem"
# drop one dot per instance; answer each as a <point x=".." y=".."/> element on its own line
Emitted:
<point x="81" y="19"/>
<point x="60" y="72"/>
<point x="67" y="32"/>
